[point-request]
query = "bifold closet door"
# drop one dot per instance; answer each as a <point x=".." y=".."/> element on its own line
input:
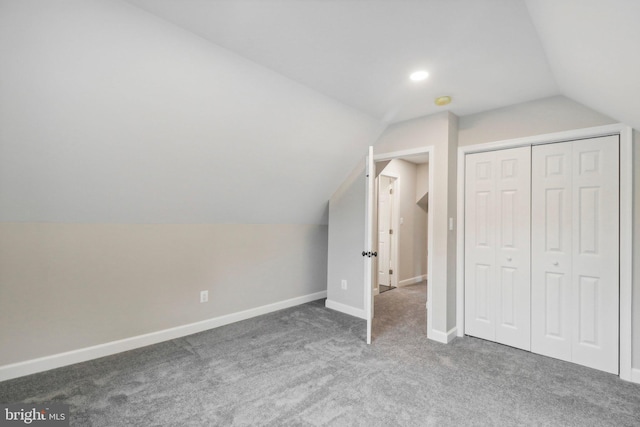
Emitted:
<point x="497" y="246"/>
<point x="575" y="259"/>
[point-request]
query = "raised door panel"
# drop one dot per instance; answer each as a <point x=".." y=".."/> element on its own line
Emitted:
<point x="513" y="247"/>
<point x="595" y="284"/>
<point x="551" y="249"/>
<point x="480" y="236"/>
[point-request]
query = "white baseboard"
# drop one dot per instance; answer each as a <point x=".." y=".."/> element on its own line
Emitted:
<point x="635" y="375"/>
<point x="28" y="367"/>
<point x="346" y="309"/>
<point x="443" y="337"/>
<point x="412" y="281"/>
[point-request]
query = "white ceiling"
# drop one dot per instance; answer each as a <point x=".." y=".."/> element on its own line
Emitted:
<point x="139" y="120"/>
<point x="594" y="50"/>
<point x="485" y="54"/>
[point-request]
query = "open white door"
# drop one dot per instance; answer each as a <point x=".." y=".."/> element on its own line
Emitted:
<point x="368" y="241"/>
<point x="351" y="212"/>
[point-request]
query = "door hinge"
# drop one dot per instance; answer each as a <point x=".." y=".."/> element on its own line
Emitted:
<point x="390" y="231"/>
<point x="391" y="191"/>
<point x="390" y="271"/>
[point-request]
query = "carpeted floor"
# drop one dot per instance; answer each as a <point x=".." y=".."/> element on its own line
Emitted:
<point x="400" y="315"/>
<point x="309" y="366"/>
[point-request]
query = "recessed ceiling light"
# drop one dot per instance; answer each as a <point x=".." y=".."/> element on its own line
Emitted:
<point x="417" y="76"/>
<point x="442" y="100"/>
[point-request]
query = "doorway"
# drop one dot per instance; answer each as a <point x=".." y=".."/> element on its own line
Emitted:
<point x="401" y="226"/>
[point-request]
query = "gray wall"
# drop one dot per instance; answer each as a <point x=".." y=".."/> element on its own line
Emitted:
<point x="346" y="241"/>
<point x="69" y="286"/>
<point x="140" y="164"/>
<point x="547" y="115"/>
<point x="422" y="188"/>
<point x="452" y="201"/>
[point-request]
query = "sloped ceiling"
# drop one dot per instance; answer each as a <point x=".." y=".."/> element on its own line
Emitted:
<point x="485" y="54"/>
<point x="109" y="114"/>
<point x="194" y="111"/>
<point x="594" y="51"/>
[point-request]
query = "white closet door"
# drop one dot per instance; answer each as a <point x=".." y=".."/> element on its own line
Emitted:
<point x="513" y="247"/>
<point x="551" y="250"/>
<point x="595" y="253"/>
<point x="497" y="246"/>
<point x="480" y="248"/>
<point x="575" y="287"/>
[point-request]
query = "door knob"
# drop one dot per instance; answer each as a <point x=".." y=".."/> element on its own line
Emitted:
<point x="556" y="263"/>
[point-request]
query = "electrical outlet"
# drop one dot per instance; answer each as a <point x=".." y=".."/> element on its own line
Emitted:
<point x="204" y="296"/>
<point x="344" y="285"/>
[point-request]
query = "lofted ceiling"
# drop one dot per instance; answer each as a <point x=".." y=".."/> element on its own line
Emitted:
<point x="485" y="54"/>
<point x="594" y="51"/>
<point x="203" y="111"/>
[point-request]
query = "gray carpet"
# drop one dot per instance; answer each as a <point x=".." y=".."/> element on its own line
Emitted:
<point x="400" y="315"/>
<point x="310" y="366"/>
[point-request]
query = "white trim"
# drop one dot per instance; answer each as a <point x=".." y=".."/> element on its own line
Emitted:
<point x="635" y="375"/>
<point x="593" y="132"/>
<point x="626" y="222"/>
<point x="430" y="150"/>
<point x="33" y="366"/>
<point x="346" y="309"/>
<point x="404" y="153"/>
<point x="443" y="337"/>
<point x="412" y="281"/>
<point x="626" y="251"/>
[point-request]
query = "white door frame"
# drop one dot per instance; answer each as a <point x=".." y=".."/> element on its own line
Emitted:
<point x="626" y="223"/>
<point x="398" y="155"/>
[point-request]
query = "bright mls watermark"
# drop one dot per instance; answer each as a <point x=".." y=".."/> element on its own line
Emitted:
<point x="35" y="414"/>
